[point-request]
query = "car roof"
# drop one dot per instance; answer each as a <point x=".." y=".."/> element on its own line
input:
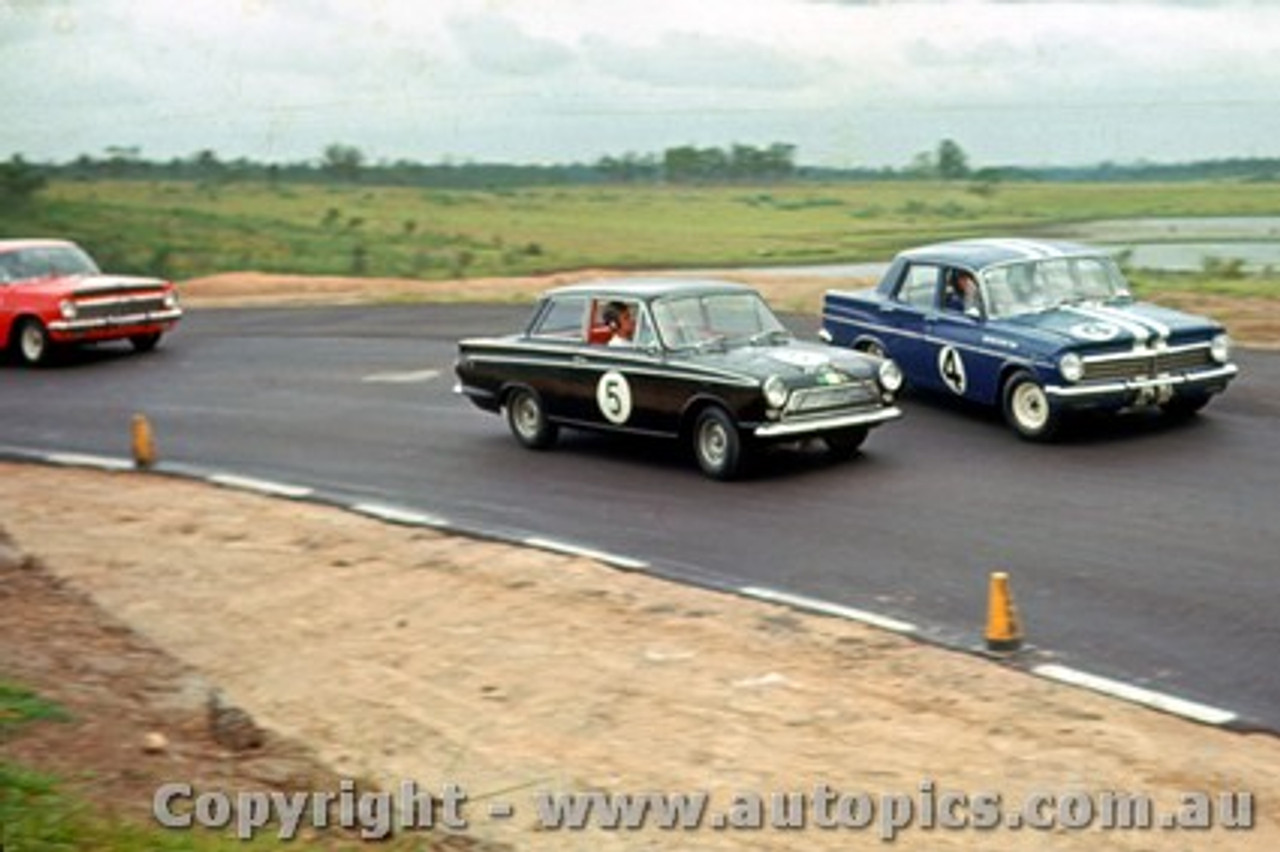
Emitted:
<point x="649" y="288"/>
<point x="31" y="242"/>
<point x="981" y="253"/>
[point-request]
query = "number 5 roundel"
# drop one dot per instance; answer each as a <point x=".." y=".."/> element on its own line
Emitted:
<point x="951" y="367"/>
<point x="613" y="395"/>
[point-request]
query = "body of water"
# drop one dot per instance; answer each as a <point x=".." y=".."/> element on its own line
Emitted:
<point x="1173" y="245"/>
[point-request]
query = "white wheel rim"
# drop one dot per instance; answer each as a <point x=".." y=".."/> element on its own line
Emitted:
<point x="32" y="343"/>
<point x="1030" y="407"/>
<point x="526" y="416"/>
<point x="713" y="443"/>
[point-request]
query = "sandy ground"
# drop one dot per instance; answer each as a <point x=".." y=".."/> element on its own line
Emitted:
<point x="1254" y="322"/>
<point x="392" y="653"/>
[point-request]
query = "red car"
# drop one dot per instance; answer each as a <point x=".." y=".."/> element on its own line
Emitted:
<point x="53" y="294"/>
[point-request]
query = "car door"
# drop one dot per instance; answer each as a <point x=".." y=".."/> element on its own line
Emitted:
<point x="552" y="360"/>
<point x="623" y="385"/>
<point x="903" y="318"/>
<point x="962" y="363"/>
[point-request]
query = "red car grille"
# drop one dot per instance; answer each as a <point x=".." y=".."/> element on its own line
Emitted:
<point x="106" y="309"/>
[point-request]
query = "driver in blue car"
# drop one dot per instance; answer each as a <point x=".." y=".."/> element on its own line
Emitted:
<point x="962" y="292"/>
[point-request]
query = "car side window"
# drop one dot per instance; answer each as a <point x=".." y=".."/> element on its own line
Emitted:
<point x="10" y="268"/>
<point x="919" y="286"/>
<point x="561" y="319"/>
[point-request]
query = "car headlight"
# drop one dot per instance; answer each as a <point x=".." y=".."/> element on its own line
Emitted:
<point x="1071" y="367"/>
<point x="171" y="299"/>
<point x="890" y="376"/>
<point x="1220" y="349"/>
<point x="68" y="309"/>
<point x="775" y="392"/>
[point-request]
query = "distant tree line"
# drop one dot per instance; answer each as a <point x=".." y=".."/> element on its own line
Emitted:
<point x="687" y="164"/>
<point x="19" y="181"/>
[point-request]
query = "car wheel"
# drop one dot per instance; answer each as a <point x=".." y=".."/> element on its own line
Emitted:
<point x="33" y="344"/>
<point x="144" y="342"/>
<point x="844" y="443"/>
<point x="717" y="444"/>
<point x="1028" y="410"/>
<point x="528" y="420"/>
<point x="1184" y="406"/>
<point x="873" y="348"/>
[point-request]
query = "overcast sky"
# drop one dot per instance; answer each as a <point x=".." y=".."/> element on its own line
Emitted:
<point x="851" y="83"/>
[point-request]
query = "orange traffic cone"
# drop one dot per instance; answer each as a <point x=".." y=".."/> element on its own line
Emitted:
<point x="144" y="444"/>
<point x="1004" y="628"/>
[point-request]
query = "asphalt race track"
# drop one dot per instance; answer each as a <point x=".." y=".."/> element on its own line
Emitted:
<point x="1138" y="549"/>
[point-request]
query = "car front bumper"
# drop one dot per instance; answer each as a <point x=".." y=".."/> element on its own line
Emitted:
<point x="1147" y="390"/>
<point x="801" y="427"/>
<point x="106" y="328"/>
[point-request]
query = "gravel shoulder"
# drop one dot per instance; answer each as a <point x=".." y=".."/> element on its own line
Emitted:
<point x="1253" y="322"/>
<point x="374" y="651"/>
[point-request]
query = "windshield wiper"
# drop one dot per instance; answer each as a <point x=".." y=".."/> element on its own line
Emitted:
<point x="773" y="335"/>
<point x="718" y="341"/>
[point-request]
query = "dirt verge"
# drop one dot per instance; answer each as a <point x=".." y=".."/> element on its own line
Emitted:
<point x="1253" y="322"/>
<point x="394" y="653"/>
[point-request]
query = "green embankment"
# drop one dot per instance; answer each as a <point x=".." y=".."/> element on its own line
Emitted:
<point x="185" y="230"/>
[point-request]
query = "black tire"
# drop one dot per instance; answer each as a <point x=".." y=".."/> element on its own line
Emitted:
<point x="527" y="420"/>
<point x="31" y="342"/>
<point x="1027" y="409"/>
<point x="144" y="342"/>
<point x="717" y="444"/>
<point x="1186" y="405"/>
<point x="871" y="347"/>
<point x="844" y="443"/>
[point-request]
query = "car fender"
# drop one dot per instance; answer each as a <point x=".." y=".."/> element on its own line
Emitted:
<point x="1033" y="366"/>
<point x="9" y="322"/>
<point x="695" y="405"/>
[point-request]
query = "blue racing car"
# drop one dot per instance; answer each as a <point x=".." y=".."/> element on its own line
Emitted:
<point x="1038" y="328"/>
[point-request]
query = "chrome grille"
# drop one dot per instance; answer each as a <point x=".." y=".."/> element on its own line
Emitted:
<point x="1148" y="364"/>
<point x="119" y="307"/>
<point x="834" y="396"/>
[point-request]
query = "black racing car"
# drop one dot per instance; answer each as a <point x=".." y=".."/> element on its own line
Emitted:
<point x="704" y="361"/>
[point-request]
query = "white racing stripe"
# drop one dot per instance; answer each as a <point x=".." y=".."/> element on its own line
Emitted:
<point x="828" y="608"/>
<point x="1141" y="333"/>
<point x="1137" y="694"/>
<point x="1162" y="331"/>
<point x="1030" y="249"/>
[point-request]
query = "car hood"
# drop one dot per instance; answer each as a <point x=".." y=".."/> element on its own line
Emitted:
<point x="1118" y="325"/>
<point x="93" y="285"/>
<point x="797" y="362"/>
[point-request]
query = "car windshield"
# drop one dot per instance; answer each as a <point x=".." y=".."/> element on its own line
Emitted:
<point x="1041" y="285"/>
<point x="44" y="262"/>
<point x="716" y="318"/>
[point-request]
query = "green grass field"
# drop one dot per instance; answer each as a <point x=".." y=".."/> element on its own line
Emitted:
<point x="185" y="230"/>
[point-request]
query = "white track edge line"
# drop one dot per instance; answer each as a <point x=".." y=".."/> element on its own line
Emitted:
<point x="260" y="486"/>
<point x="1136" y="694"/>
<point x="397" y="515"/>
<point x="87" y="460"/>
<point x="586" y="552"/>
<point x="827" y="608"/>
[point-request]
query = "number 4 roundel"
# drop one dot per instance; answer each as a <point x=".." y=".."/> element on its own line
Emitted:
<point x="951" y="367"/>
